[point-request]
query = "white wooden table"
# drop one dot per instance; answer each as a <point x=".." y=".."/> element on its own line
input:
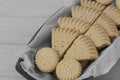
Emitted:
<point x="19" y="20"/>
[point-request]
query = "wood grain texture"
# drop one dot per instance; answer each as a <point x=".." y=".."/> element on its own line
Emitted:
<point x="9" y="55"/>
<point x="20" y="19"/>
<point x="18" y="29"/>
<point x="29" y="7"/>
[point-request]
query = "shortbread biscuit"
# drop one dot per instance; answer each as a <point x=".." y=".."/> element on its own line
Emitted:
<point x="62" y="38"/>
<point x="92" y="4"/>
<point x="108" y="25"/>
<point x="104" y="2"/>
<point x="46" y="59"/>
<point x="82" y="49"/>
<point x="118" y="3"/>
<point x="114" y="13"/>
<point x="72" y="23"/>
<point x="99" y="36"/>
<point x="68" y="69"/>
<point x="84" y="13"/>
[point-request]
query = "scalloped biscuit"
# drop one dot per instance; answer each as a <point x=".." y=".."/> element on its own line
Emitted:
<point x="85" y="13"/>
<point x="82" y="49"/>
<point x="104" y="2"/>
<point x="62" y="38"/>
<point x="72" y="23"/>
<point x="92" y="4"/>
<point x="108" y="25"/>
<point x="114" y="13"/>
<point x="99" y="36"/>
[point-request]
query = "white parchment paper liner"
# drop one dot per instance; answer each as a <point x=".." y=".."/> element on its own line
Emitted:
<point x="108" y="58"/>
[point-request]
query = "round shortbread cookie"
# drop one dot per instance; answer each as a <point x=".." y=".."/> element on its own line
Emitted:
<point x="46" y="59"/>
<point x="104" y="2"/>
<point x="68" y="69"/>
<point x="118" y="3"/>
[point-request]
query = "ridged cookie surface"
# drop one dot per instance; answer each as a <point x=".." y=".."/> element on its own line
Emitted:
<point x="99" y="36"/>
<point x="104" y="2"/>
<point x="85" y="13"/>
<point x="72" y="23"/>
<point x="92" y="4"/>
<point x="114" y="13"/>
<point x="62" y="39"/>
<point x="108" y="25"/>
<point x="82" y="49"/>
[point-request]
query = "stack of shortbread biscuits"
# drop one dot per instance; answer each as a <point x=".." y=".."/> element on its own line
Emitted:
<point x="93" y="26"/>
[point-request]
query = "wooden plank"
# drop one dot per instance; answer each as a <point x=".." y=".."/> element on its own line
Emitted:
<point x="29" y="7"/>
<point x="20" y="19"/>
<point x="9" y="55"/>
<point x="12" y="77"/>
<point x="18" y="29"/>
